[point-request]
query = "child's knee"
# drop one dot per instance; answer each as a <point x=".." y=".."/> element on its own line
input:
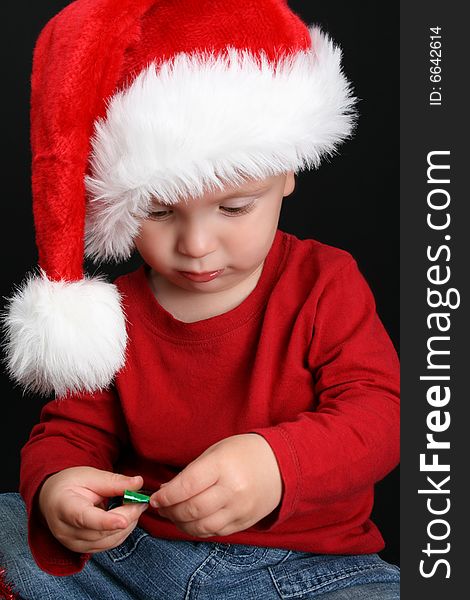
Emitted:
<point x="15" y="557"/>
<point x="13" y="532"/>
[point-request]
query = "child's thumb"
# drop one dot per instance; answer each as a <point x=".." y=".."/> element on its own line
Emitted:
<point x="114" y="484"/>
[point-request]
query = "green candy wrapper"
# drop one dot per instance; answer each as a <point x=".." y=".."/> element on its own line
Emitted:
<point x="135" y="497"/>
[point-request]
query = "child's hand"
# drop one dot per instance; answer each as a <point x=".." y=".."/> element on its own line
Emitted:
<point x="72" y="503"/>
<point x="230" y="487"/>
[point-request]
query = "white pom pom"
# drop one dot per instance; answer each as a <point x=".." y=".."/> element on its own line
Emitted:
<point x="65" y="337"/>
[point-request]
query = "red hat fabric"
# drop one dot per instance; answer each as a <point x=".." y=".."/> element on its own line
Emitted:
<point x="135" y="99"/>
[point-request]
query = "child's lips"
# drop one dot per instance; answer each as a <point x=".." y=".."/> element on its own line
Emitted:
<point x="201" y="277"/>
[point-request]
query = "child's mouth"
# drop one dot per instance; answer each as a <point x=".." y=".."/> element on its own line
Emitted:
<point x="201" y="277"/>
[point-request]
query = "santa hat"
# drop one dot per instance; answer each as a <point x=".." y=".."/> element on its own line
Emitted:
<point x="139" y="98"/>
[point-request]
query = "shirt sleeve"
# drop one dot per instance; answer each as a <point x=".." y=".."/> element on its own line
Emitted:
<point x="79" y="430"/>
<point x="350" y="438"/>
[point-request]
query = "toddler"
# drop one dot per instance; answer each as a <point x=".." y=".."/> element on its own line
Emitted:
<point x="241" y="375"/>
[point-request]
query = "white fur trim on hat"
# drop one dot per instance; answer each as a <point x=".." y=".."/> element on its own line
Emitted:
<point x="65" y="337"/>
<point x="201" y="120"/>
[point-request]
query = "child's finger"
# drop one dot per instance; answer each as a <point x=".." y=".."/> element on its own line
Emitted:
<point x="198" y="507"/>
<point x="99" y="541"/>
<point x="97" y="519"/>
<point x="109" y="484"/>
<point x="89" y="536"/>
<point x="129" y="512"/>
<point x="83" y="515"/>
<point x="194" y="479"/>
<point x="91" y="541"/>
<point x="110" y="541"/>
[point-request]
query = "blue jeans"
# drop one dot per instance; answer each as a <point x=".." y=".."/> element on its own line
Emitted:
<point x="150" y="568"/>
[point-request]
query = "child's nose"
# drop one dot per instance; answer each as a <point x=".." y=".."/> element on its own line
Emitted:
<point x="196" y="240"/>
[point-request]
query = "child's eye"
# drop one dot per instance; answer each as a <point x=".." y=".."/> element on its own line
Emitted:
<point x="237" y="210"/>
<point x="158" y="215"/>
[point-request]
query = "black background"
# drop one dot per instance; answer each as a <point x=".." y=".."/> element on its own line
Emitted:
<point x="351" y="202"/>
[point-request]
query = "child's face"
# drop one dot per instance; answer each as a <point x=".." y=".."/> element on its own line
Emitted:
<point x="214" y="242"/>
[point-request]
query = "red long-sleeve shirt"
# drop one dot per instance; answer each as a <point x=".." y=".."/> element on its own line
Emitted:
<point x="303" y="361"/>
